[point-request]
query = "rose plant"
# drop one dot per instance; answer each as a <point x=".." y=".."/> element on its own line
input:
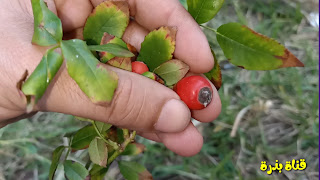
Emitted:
<point x="102" y="43"/>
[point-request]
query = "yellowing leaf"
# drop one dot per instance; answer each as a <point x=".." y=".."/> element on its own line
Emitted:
<point x="111" y="17"/>
<point x="133" y="149"/>
<point x="158" y="47"/>
<point x="214" y="75"/>
<point x="94" y="79"/>
<point x="149" y="75"/>
<point x="114" y="59"/>
<point x="35" y="86"/>
<point x="134" y="171"/>
<point x="250" y="50"/>
<point x="106" y="39"/>
<point x="172" y="71"/>
<point x="113" y="49"/>
<point x="98" y="152"/>
<point x="120" y="62"/>
<point x="47" y="26"/>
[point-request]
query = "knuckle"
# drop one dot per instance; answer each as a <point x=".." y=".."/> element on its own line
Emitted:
<point x="127" y="104"/>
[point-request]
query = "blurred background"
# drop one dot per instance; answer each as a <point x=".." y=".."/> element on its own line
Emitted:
<point x="265" y="115"/>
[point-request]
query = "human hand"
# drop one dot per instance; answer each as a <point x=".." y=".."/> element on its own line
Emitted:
<point x="141" y="104"/>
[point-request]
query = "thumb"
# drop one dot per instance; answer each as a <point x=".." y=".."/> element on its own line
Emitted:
<point x="139" y="103"/>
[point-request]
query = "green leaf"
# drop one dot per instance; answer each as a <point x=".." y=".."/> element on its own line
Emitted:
<point x="35" y="86"/>
<point x="102" y="127"/>
<point x="47" y="26"/>
<point x="97" y="172"/>
<point x="204" y="10"/>
<point x="83" y="137"/>
<point x="172" y="71"/>
<point x="111" y="17"/>
<point x="75" y="171"/>
<point x="55" y="160"/>
<point x="106" y="39"/>
<point x="158" y="47"/>
<point x="149" y="75"/>
<point x="69" y="135"/>
<point x="134" y="171"/>
<point x="98" y="152"/>
<point x="120" y="136"/>
<point x="94" y="79"/>
<point x="111" y="48"/>
<point x="250" y="50"/>
<point x="214" y="75"/>
<point x="133" y="149"/>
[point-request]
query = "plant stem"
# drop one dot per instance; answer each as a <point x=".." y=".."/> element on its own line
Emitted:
<point x="84" y="119"/>
<point x="125" y="133"/>
<point x="69" y="149"/>
<point x="123" y="146"/>
<point x="55" y="47"/>
<point x="113" y="157"/>
<point x="114" y="145"/>
<point x="68" y="152"/>
<point x="206" y="27"/>
<point x="133" y="135"/>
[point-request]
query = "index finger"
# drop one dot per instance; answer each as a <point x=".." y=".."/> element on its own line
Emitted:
<point x="192" y="46"/>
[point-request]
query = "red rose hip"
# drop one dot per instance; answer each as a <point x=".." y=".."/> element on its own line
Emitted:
<point x="195" y="91"/>
<point x="139" y="67"/>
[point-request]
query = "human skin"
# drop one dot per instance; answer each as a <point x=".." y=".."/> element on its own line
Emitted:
<point x="141" y="104"/>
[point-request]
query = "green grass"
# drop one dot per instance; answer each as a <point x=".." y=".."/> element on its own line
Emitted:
<point x="26" y="146"/>
<point x="281" y="121"/>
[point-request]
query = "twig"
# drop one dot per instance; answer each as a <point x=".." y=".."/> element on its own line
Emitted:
<point x="114" y="145"/>
<point x="69" y="149"/>
<point x="123" y="146"/>
<point x="238" y="120"/>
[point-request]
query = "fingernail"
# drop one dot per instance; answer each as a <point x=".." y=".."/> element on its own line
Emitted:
<point x="174" y="117"/>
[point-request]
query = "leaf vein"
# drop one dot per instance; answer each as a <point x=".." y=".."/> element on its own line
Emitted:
<point x="248" y="47"/>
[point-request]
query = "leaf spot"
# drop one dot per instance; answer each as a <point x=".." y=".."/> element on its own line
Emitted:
<point x="41" y="25"/>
